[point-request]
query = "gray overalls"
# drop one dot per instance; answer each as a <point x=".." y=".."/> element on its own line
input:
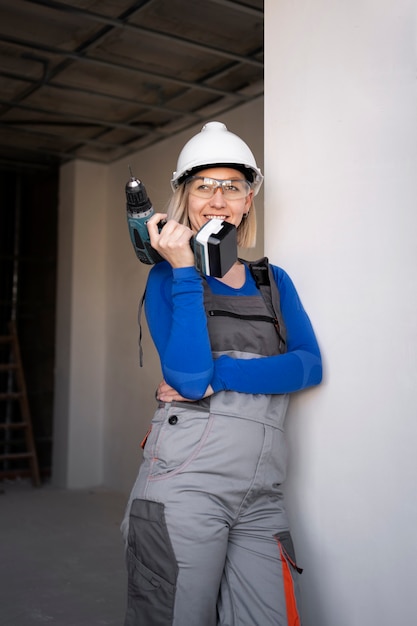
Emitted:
<point x="207" y="532"/>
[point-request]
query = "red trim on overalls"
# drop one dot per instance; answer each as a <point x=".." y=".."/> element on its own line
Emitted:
<point x="293" y="617"/>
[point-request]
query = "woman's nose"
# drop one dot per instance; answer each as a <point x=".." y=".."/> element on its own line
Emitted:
<point x="217" y="199"/>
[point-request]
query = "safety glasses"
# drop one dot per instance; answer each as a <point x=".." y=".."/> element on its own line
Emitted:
<point x="232" y="189"/>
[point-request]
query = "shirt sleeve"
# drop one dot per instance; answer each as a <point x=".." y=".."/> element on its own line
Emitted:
<point x="176" y="317"/>
<point x="300" y="367"/>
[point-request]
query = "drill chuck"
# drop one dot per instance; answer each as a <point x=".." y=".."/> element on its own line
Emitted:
<point x="137" y="200"/>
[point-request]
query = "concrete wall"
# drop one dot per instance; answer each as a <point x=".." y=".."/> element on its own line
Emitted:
<point x="80" y="334"/>
<point x="340" y="216"/>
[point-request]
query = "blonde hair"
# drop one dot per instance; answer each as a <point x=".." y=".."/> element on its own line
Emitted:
<point x="178" y="210"/>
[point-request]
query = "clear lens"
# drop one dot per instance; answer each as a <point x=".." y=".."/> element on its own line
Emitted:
<point x="233" y="189"/>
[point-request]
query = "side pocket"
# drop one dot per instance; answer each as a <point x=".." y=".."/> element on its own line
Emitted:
<point x="289" y="572"/>
<point x="151" y="565"/>
<point x="176" y="441"/>
<point x="145" y="439"/>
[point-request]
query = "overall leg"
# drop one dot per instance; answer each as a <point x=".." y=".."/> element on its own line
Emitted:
<point x="175" y="563"/>
<point x="177" y="533"/>
<point x="260" y="581"/>
<point x="259" y="584"/>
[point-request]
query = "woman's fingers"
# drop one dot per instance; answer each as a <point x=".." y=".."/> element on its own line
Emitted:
<point x="172" y="241"/>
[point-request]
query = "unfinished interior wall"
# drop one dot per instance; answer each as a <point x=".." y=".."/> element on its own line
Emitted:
<point x="80" y="332"/>
<point x="340" y="215"/>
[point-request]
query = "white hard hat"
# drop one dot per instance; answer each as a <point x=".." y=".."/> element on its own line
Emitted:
<point x="215" y="145"/>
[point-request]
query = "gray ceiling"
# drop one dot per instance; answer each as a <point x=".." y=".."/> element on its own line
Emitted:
<point x="99" y="79"/>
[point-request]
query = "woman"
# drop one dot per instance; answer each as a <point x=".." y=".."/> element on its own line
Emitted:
<point x="207" y="533"/>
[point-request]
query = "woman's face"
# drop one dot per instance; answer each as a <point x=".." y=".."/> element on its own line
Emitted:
<point x="220" y="205"/>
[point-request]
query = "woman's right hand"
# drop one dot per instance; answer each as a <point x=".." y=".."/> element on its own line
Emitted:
<point x="166" y="393"/>
<point x="172" y="242"/>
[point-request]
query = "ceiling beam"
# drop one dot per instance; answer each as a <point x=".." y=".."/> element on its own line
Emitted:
<point x="82" y="119"/>
<point x="99" y="94"/>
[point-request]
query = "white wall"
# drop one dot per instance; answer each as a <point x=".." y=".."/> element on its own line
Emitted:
<point x="340" y="216"/>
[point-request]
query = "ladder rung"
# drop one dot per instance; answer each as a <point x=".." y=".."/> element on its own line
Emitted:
<point x="15" y="473"/>
<point x="14" y="425"/>
<point x="6" y="338"/>
<point x="6" y="367"/>
<point x="16" y="455"/>
<point x="11" y="396"/>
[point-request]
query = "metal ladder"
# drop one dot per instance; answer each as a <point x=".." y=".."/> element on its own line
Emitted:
<point x="18" y="457"/>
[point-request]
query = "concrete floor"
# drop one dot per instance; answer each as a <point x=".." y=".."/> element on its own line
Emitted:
<point x="61" y="556"/>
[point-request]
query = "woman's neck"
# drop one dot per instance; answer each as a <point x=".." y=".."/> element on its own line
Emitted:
<point x="235" y="277"/>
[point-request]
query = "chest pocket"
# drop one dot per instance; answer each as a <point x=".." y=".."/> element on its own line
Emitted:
<point x="241" y="323"/>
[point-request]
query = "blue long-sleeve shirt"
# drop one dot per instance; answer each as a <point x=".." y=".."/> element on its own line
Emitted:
<point x="177" y="321"/>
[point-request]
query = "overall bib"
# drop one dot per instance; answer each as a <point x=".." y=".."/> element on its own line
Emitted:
<point x="207" y="535"/>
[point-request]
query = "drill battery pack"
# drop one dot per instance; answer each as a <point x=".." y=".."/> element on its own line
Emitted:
<point x="215" y="248"/>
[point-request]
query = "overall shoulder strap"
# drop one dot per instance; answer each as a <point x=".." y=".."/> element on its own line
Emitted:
<point x="265" y="282"/>
<point x="141" y="302"/>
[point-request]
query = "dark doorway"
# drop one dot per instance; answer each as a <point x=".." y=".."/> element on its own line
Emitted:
<point x="28" y="259"/>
